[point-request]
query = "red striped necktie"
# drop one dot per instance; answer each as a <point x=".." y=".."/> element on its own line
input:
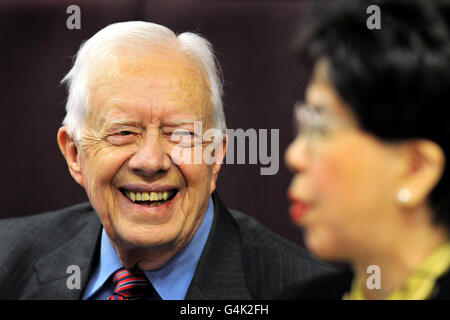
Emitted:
<point x="132" y="285"/>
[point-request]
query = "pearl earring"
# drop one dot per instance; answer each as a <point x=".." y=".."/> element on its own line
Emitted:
<point x="404" y="195"/>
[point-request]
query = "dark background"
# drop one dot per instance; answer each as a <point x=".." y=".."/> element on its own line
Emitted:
<point x="262" y="81"/>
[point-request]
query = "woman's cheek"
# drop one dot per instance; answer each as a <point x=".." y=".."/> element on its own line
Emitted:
<point x="338" y="188"/>
<point x="330" y="179"/>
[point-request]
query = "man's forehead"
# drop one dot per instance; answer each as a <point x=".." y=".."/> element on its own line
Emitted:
<point x="138" y="77"/>
<point x="159" y="85"/>
<point x="152" y="65"/>
<point x="147" y="111"/>
<point x="173" y="63"/>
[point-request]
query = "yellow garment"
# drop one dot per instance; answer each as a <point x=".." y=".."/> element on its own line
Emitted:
<point x="420" y="285"/>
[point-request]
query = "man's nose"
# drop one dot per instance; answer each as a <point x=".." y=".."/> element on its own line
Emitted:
<point x="296" y="156"/>
<point x="150" y="157"/>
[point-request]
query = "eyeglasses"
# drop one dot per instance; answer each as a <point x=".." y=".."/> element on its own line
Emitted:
<point x="314" y="122"/>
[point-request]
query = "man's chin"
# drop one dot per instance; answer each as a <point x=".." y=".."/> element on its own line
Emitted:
<point x="153" y="238"/>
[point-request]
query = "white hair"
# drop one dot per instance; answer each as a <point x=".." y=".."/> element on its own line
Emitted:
<point x="129" y="35"/>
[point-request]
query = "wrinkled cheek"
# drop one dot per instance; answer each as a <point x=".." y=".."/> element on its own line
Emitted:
<point x="95" y="190"/>
<point x="98" y="181"/>
<point x="197" y="178"/>
<point x="182" y="155"/>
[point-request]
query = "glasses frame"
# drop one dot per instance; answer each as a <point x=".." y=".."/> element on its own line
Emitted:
<point x="311" y="121"/>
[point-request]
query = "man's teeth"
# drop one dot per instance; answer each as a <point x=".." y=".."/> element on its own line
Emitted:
<point x="148" y="196"/>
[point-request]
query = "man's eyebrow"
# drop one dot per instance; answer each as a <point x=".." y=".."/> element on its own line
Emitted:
<point x="171" y="123"/>
<point x="182" y="121"/>
<point x="118" y="122"/>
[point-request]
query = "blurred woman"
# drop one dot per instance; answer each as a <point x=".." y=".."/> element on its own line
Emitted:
<point x="371" y="184"/>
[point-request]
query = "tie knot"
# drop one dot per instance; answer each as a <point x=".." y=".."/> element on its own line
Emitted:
<point x="130" y="285"/>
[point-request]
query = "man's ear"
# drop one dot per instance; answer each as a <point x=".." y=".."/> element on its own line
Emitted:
<point x="69" y="150"/>
<point x="219" y="155"/>
<point x="424" y="167"/>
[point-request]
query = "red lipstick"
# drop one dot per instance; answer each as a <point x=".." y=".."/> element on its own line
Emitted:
<point x="298" y="209"/>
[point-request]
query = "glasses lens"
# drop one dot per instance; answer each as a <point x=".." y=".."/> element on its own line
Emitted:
<point x="301" y="118"/>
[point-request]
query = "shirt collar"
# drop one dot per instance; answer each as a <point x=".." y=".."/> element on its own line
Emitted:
<point x="170" y="281"/>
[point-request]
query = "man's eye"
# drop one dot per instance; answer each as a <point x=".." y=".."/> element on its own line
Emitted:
<point x="125" y="133"/>
<point x="184" y="133"/>
<point x="121" y="137"/>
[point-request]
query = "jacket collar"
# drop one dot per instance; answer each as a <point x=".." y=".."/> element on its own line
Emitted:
<point x="220" y="273"/>
<point x="80" y="251"/>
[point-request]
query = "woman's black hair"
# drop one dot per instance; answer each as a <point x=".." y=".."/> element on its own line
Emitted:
<point x="395" y="79"/>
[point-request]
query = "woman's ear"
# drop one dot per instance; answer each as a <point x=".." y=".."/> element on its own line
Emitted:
<point x="69" y="149"/>
<point x="424" y="165"/>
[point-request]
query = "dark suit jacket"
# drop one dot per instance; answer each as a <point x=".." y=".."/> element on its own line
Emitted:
<point x="241" y="260"/>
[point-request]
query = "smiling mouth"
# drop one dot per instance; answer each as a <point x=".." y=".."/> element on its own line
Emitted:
<point x="149" y="199"/>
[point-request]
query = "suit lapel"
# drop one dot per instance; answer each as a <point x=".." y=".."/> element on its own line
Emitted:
<point x="79" y="251"/>
<point x="220" y="274"/>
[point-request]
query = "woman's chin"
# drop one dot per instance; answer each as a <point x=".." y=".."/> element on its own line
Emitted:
<point x="323" y="248"/>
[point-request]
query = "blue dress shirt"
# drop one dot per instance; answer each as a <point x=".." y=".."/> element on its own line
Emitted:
<point x="170" y="281"/>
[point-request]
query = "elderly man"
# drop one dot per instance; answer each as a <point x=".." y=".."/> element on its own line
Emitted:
<point x="153" y="227"/>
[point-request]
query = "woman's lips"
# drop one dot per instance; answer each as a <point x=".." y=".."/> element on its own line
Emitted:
<point x="298" y="209"/>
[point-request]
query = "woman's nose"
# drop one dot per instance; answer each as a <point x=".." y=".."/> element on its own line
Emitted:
<point x="296" y="155"/>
